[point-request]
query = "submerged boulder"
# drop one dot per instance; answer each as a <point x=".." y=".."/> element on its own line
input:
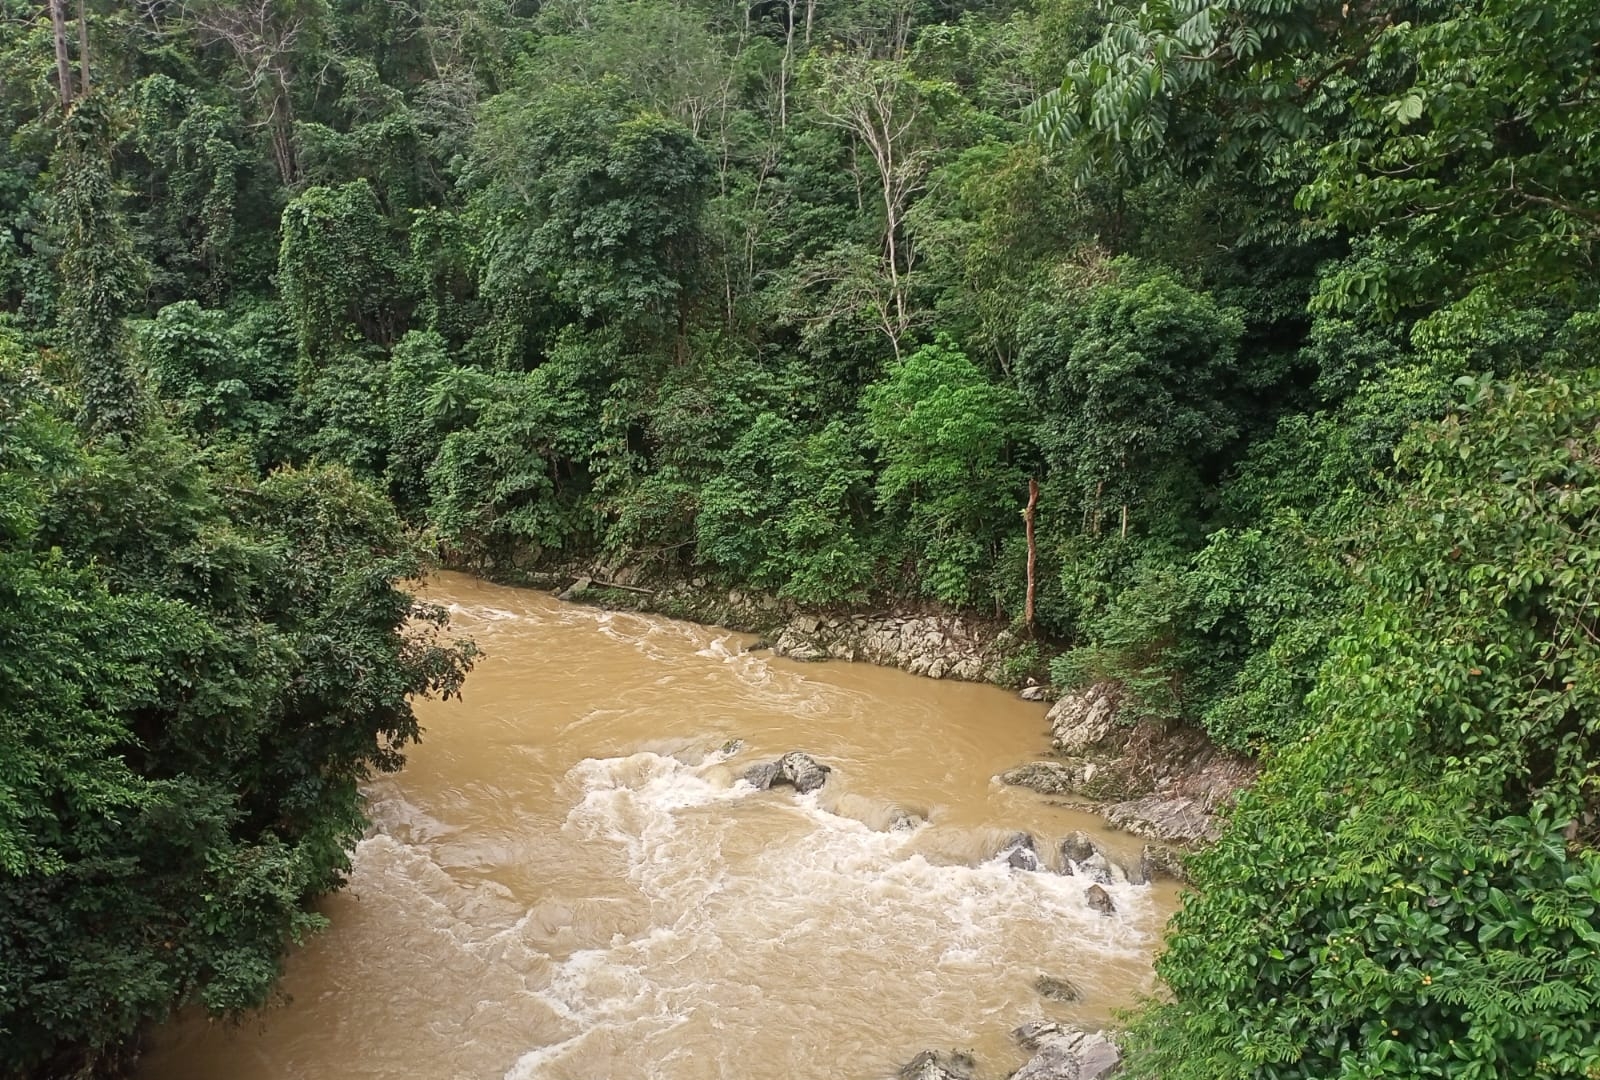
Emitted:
<point x="938" y="1065"/>
<point x="801" y="771"/>
<point x="1054" y="988"/>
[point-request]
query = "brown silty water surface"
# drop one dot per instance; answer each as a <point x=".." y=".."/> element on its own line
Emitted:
<point x="569" y="882"/>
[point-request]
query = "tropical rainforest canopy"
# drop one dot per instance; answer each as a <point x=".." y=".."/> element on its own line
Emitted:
<point x="1289" y="309"/>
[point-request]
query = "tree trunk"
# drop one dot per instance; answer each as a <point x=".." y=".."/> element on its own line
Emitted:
<point x="281" y="124"/>
<point x="58" y="21"/>
<point x="83" y="49"/>
<point x="1033" y="550"/>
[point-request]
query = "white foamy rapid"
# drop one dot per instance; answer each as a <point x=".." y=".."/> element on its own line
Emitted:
<point x="755" y="944"/>
<point x="569" y="881"/>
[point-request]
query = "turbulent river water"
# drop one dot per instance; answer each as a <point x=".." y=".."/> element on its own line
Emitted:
<point x="568" y="881"/>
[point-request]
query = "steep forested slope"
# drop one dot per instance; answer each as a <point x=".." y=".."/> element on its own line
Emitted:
<point x="805" y="296"/>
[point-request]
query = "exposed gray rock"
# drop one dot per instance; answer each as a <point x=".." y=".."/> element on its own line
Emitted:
<point x="798" y="647"/>
<point x="1054" y="1061"/>
<point x="1065" y="1054"/>
<point x="1083" y="718"/>
<point x="576" y="589"/>
<point x="1099" y="900"/>
<point x="801" y="771"/>
<point x="1097" y="1057"/>
<point x="1046" y="777"/>
<point x="1034" y="693"/>
<point x="1034" y="1032"/>
<point x="939" y="646"/>
<point x="1055" y="989"/>
<point x="1020" y="852"/>
<point x="1159" y="817"/>
<point x="761" y="776"/>
<point x="938" y="1065"/>
<point x="731" y="747"/>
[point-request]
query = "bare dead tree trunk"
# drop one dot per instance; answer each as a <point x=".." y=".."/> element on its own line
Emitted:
<point x="83" y="49"/>
<point x="280" y="123"/>
<point x="1033" y="550"/>
<point x="879" y="105"/>
<point x="785" y="68"/>
<point x="58" y="22"/>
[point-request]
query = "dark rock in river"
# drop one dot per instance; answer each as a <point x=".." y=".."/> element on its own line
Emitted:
<point x="1077" y="847"/>
<point x="1020" y="852"/>
<point x="762" y="776"/>
<point x="937" y="1065"/>
<point x="1082" y="856"/>
<point x="802" y="771"/>
<point x="1100" y="900"/>
<point x="1055" y="989"/>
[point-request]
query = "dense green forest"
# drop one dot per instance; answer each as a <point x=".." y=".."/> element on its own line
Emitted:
<point x="1287" y="307"/>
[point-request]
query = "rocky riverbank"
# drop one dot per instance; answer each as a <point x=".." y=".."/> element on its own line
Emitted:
<point x="1167" y="784"/>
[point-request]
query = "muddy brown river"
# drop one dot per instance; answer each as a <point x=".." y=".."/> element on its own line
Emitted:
<point x="569" y="882"/>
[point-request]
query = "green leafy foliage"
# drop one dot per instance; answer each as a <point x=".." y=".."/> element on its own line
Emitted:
<point x="786" y="515"/>
<point x="1131" y="381"/>
<point x="784" y="296"/>
<point x="944" y="433"/>
<point x="197" y="669"/>
<point x="1412" y="889"/>
<point x="591" y="199"/>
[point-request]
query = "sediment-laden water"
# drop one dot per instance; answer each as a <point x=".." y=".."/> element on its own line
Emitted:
<point x="568" y="881"/>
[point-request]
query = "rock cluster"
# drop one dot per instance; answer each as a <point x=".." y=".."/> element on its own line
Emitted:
<point x="938" y="646"/>
<point x="800" y="771"/>
<point x="1083" y="720"/>
<point x="1166" y="785"/>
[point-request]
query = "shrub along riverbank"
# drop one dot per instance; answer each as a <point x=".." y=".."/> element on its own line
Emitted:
<point x="1238" y="354"/>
